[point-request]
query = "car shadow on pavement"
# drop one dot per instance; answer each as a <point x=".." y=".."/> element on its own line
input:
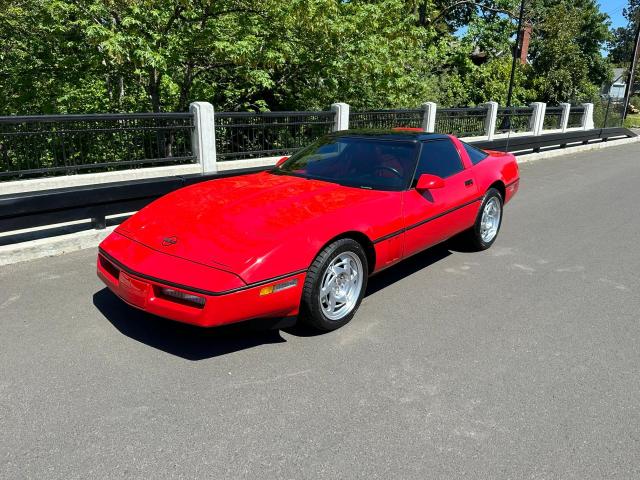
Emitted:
<point x="407" y="267"/>
<point x="196" y="343"/>
<point x="182" y="340"/>
<point x="388" y="277"/>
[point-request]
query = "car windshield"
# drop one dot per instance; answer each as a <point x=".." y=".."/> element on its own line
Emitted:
<point x="380" y="164"/>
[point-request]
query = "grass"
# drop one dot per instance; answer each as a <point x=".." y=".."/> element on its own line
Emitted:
<point x="632" y="120"/>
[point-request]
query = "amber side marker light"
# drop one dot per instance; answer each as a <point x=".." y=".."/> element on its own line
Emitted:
<point x="278" y="287"/>
<point x="196" y="300"/>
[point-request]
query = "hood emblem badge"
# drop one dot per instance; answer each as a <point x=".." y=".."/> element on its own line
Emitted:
<point x="167" y="241"/>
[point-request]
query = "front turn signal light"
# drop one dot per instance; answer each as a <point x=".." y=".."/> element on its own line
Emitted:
<point x="278" y="287"/>
<point x="266" y="290"/>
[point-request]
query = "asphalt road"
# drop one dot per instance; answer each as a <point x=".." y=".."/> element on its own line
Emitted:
<point x="519" y="362"/>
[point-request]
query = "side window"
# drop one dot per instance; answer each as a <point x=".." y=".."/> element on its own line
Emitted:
<point x="475" y="154"/>
<point x="439" y="157"/>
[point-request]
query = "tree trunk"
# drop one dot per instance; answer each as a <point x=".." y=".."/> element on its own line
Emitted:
<point x="185" y="88"/>
<point x="422" y="14"/>
<point x="154" y="89"/>
<point x="120" y="90"/>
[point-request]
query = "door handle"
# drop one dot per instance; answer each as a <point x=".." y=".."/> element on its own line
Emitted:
<point x="468" y="183"/>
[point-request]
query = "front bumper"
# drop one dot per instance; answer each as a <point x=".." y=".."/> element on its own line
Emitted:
<point x="243" y="303"/>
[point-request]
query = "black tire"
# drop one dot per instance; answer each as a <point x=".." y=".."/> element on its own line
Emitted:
<point x="472" y="236"/>
<point x="311" y="313"/>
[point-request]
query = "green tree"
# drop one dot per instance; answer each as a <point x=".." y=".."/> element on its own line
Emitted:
<point x="65" y="56"/>
<point x="565" y="54"/>
<point x="621" y="43"/>
<point x="370" y="54"/>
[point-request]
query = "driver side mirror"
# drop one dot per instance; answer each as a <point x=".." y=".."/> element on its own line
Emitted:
<point x="281" y="161"/>
<point x="429" y="182"/>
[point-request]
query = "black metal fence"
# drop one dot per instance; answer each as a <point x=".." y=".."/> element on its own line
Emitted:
<point x="575" y="116"/>
<point x="514" y="119"/>
<point x="48" y="145"/>
<point x="552" y="118"/>
<point x="64" y="144"/>
<point x="462" y="122"/>
<point x="254" y="135"/>
<point x="607" y="113"/>
<point x="387" y="119"/>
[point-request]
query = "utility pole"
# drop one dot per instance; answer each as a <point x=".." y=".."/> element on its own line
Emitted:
<point x="632" y="71"/>
<point x="515" y="53"/>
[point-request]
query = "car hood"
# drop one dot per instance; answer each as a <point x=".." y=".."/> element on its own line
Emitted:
<point x="234" y="222"/>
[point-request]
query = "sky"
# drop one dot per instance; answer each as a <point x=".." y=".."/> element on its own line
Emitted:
<point x="614" y="9"/>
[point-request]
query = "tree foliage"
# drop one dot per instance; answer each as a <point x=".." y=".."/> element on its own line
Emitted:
<point x="621" y="43"/>
<point x="71" y="56"/>
<point x="565" y="52"/>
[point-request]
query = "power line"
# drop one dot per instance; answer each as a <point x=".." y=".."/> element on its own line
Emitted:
<point x="617" y="9"/>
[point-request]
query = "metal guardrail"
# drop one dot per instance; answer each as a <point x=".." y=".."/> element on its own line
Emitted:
<point x="63" y="144"/>
<point x="95" y="202"/>
<point x="522" y="144"/>
<point x="268" y="134"/>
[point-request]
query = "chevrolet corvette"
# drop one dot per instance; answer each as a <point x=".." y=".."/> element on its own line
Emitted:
<point x="300" y="240"/>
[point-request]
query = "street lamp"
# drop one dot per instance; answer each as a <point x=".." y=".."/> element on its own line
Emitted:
<point x="632" y="71"/>
<point x="516" y="48"/>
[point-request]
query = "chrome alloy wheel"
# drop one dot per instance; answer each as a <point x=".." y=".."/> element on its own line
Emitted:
<point x="341" y="285"/>
<point x="490" y="220"/>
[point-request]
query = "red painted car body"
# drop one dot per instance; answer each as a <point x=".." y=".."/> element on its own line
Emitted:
<point x="227" y="242"/>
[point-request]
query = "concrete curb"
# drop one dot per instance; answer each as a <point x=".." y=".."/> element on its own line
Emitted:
<point x="47" y="247"/>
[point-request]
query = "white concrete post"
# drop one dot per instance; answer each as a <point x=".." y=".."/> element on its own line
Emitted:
<point x="429" y="117"/>
<point x="564" y="118"/>
<point x="490" y="119"/>
<point x="341" y="112"/>
<point x="203" y="138"/>
<point x="587" y="117"/>
<point x="536" y="122"/>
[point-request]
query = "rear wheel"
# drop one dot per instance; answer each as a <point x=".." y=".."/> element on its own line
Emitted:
<point x="487" y="225"/>
<point x="335" y="285"/>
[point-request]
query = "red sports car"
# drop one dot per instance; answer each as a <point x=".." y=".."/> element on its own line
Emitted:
<point x="301" y="239"/>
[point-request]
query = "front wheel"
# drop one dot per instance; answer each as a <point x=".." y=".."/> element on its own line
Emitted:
<point x="335" y="285"/>
<point x="487" y="225"/>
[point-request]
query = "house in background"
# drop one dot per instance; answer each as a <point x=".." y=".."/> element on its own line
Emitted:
<point x="616" y="89"/>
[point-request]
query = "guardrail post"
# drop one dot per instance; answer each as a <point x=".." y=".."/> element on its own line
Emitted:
<point x="491" y="119"/>
<point x="203" y="138"/>
<point x="429" y="117"/>
<point x="587" y="117"/>
<point x="564" y="118"/>
<point x="536" y="122"/>
<point x="341" y="118"/>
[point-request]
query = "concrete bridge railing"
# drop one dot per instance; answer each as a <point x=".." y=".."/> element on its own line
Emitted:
<point x="56" y="151"/>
